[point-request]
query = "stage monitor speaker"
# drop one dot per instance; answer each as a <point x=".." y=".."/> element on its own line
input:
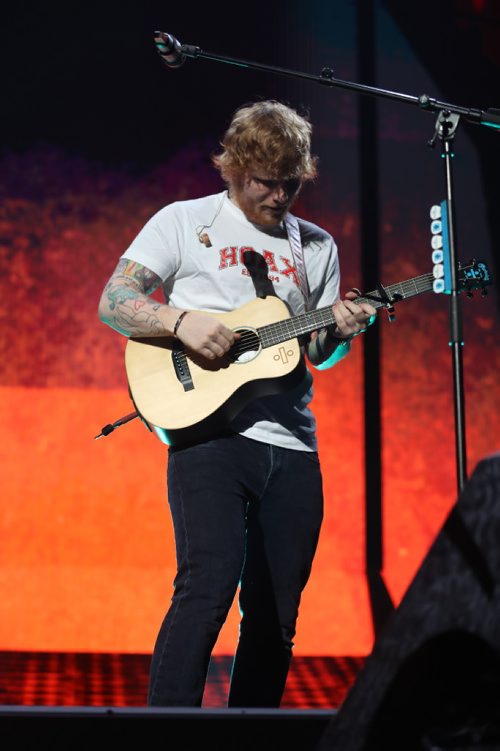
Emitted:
<point x="432" y="680"/>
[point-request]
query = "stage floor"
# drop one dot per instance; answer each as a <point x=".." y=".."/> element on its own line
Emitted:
<point x="120" y="680"/>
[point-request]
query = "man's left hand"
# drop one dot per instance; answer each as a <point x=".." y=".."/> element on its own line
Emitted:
<point x="351" y="318"/>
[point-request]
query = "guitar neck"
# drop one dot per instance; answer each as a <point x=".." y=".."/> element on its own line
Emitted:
<point x="290" y="328"/>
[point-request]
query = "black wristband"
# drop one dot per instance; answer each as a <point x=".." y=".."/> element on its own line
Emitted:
<point x="179" y="321"/>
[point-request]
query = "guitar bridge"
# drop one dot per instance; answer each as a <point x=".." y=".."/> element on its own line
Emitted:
<point x="181" y="368"/>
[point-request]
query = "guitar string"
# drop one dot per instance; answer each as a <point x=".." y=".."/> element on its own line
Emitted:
<point x="323" y="316"/>
<point x="310" y="320"/>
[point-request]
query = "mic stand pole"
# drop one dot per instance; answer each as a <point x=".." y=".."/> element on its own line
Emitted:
<point x="446" y="126"/>
<point x="449" y="115"/>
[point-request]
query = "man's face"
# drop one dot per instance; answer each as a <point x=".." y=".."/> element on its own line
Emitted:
<point x="265" y="201"/>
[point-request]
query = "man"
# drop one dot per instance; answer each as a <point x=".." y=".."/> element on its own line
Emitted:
<point x="247" y="503"/>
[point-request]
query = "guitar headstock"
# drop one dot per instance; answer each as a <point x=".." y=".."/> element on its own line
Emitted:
<point x="473" y="275"/>
<point x="470" y="276"/>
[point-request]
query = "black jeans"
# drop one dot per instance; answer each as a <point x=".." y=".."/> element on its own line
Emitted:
<point x="246" y="513"/>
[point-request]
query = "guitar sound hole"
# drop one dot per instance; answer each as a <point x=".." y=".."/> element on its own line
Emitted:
<point x="246" y="348"/>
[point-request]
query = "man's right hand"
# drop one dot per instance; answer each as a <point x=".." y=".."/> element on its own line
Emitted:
<point x="206" y="335"/>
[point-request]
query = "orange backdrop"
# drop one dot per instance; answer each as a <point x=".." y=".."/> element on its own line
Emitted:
<point x="87" y="558"/>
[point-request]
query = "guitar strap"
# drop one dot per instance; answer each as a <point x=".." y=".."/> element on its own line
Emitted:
<point x="293" y="231"/>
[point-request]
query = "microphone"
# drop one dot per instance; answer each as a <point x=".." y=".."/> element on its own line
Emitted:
<point x="169" y="49"/>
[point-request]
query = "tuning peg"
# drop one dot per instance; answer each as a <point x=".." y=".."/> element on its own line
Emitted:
<point x="439" y="255"/>
<point x="469" y="294"/>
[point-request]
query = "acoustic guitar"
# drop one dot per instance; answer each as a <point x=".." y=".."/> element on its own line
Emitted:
<point x="183" y="397"/>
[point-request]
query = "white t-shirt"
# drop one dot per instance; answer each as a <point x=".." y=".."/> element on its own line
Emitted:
<point x="199" y="248"/>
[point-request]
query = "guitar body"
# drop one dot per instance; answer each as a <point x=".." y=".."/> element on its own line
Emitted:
<point x="184" y="397"/>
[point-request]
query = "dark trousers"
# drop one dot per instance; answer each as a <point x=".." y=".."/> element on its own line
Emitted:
<point x="244" y="513"/>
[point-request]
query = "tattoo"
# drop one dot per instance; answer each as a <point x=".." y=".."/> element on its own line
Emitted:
<point x="147" y="280"/>
<point x="131" y="311"/>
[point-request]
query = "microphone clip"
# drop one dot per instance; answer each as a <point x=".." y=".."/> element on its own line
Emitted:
<point x="169" y="49"/>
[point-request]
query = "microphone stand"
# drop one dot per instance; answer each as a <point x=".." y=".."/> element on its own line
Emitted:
<point x="446" y="126"/>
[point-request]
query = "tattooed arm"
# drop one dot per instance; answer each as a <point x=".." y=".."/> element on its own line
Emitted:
<point x="125" y="305"/>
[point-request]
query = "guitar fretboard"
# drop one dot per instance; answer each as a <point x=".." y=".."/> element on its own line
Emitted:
<point x="282" y="331"/>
